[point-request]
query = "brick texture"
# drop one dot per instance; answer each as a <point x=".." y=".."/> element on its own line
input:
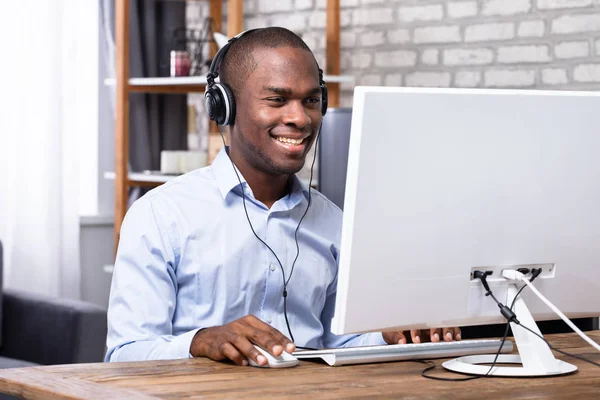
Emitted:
<point x="463" y="43"/>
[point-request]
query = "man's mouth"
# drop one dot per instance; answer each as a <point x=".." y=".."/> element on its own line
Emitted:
<point x="291" y="141"/>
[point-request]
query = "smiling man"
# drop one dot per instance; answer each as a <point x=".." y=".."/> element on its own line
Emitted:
<point x="240" y="253"/>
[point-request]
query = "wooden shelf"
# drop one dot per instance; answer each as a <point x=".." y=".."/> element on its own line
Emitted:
<point x="190" y="84"/>
<point x="141" y="178"/>
<point x="156" y="179"/>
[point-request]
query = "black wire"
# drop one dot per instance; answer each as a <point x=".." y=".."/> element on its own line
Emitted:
<point x="469" y="378"/>
<point x="535" y="275"/>
<point x="433" y="365"/>
<point x="558" y="350"/>
<point x="285" y="282"/>
<point x="517" y="295"/>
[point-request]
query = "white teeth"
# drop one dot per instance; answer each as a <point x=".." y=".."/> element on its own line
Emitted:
<point x="289" y="140"/>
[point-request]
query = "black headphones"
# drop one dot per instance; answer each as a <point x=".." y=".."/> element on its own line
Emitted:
<point x="219" y="99"/>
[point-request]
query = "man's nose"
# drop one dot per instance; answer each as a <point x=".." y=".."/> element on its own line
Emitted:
<point x="296" y="115"/>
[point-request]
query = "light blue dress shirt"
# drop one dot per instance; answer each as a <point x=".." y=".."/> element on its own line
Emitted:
<point x="187" y="260"/>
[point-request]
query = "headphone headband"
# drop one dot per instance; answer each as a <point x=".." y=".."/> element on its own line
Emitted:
<point x="219" y="99"/>
<point x="213" y="71"/>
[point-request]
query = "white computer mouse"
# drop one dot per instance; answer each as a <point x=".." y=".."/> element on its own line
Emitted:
<point x="285" y="360"/>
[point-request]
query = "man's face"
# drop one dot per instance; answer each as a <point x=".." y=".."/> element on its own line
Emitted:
<point x="278" y="111"/>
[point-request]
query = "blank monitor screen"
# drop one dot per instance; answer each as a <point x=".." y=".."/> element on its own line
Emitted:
<point x="442" y="181"/>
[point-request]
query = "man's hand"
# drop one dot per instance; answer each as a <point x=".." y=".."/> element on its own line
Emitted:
<point x="235" y="341"/>
<point x="420" y="336"/>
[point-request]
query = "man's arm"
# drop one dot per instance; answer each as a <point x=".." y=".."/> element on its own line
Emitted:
<point x="143" y="292"/>
<point x="143" y="301"/>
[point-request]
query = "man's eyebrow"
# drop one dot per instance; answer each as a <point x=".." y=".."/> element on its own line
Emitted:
<point x="288" y="91"/>
<point x="278" y="90"/>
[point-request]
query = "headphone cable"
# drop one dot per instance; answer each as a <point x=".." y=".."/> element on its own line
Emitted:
<point x="285" y="282"/>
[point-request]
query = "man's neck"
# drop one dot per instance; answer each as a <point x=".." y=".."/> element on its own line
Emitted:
<point x="267" y="188"/>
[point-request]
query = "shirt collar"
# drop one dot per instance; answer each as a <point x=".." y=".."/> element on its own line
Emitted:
<point x="227" y="181"/>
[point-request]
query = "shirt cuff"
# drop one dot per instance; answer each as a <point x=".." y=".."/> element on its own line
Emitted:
<point x="374" y="339"/>
<point x="181" y="344"/>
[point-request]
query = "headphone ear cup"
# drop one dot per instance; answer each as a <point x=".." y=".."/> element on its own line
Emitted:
<point x="323" y="99"/>
<point x="214" y="104"/>
<point x="220" y="104"/>
<point x="229" y="104"/>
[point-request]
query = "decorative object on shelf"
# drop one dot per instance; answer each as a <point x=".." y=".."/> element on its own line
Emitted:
<point x="194" y="41"/>
<point x="220" y="39"/>
<point x="174" y="162"/>
<point x="180" y="63"/>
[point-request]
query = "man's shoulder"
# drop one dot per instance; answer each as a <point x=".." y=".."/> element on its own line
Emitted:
<point x="322" y="201"/>
<point x="326" y="211"/>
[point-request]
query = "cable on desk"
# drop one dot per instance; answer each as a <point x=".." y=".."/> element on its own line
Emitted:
<point x="483" y="277"/>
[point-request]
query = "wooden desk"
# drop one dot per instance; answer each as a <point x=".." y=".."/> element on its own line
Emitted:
<point x="203" y="378"/>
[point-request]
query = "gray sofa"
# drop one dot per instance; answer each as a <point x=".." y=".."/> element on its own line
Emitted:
<point x="37" y="330"/>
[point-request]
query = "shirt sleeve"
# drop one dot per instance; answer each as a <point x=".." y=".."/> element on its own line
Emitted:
<point x="331" y="340"/>
<point x="143" y="292"/>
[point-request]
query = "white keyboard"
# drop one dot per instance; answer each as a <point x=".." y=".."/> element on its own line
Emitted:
<point x="400" y="352"/>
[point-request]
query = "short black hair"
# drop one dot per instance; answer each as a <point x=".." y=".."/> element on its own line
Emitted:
<point x="239" y="62"/>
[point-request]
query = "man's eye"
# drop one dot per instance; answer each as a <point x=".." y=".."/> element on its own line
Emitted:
<point x="277" y="99"/>
<point x="314" y="100"/>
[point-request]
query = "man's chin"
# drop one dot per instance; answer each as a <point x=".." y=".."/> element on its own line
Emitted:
<point x="289" y="168"/>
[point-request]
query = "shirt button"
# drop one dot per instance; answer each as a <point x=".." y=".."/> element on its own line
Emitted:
<point x="269" y="320"/>
<point x="273" y="267"/>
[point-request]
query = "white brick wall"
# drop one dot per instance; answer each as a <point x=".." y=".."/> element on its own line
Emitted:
<point x="554" y="76"/>
<point x="576" y="23"/>
<point x="393" y="80"/>
<point x="554" y="4"/>
<point x="397" y="36"/>
<point x="420" y="13"/>
<point x="370" y="80"/>
<point x="436" y="79"/>
<point x="269" y="6"/>
<point x="509" y="77"/>
<point x="371" y="38"/>
<point x="462" y="9"/>
<point x="467" y="78"/>
<point x="437" y="34"/>
<point x="523" y="54"/>
<point x="505" y="7"/>
<point x="372" y="16"/>
<point x="430" y="56"/>
<point x="396" y="58"/>
<point x="568" y="50"/>
<point x="476" y="56"/>
<point x="587" y="73"/>
<point x="531" y="29"/>
<point x="489" y="32"/>
<point x="462" y="43"/>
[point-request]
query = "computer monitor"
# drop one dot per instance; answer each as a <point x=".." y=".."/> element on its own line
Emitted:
<point x="334" y="140"/>
<point x="442" y="182"/>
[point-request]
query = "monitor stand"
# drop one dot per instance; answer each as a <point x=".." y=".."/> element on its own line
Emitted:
<point x="535" y="357"/>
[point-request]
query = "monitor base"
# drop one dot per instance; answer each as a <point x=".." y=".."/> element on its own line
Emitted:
<point x="469" y="365"/>
<point x="535" y="355"/>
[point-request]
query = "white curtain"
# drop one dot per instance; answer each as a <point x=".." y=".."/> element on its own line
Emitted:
<point x="40" y="122"/>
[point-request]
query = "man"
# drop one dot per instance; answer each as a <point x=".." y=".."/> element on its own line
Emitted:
<point x="203" y="261"/>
